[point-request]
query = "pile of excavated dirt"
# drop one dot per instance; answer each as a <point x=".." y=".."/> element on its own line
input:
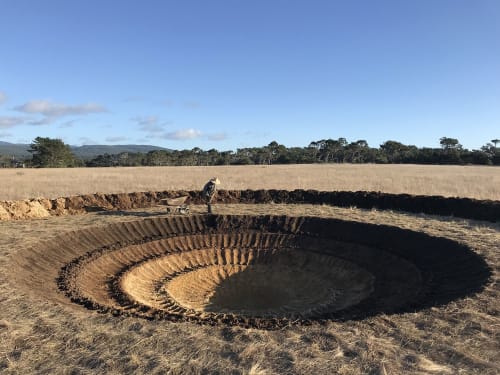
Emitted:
<point x="459" y="207"/>
<point x="252" y="271"/>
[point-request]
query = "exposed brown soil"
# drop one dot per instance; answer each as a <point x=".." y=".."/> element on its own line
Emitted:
<point x="437" y="205"/>
<point x="197" y="268"/>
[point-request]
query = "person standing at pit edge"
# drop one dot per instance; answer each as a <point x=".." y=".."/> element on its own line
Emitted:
<point x="209" y="192"/>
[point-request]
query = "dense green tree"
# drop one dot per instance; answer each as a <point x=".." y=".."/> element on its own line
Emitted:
<point x="225" y="158"/>
<point x="393" y="151"/>
<point x="322" y="151"/>
<point x="274" y="151"/>
<point x="449" y="143"/>
<point x="492" y="152"/>
<point x="51" y="153"/>
<point x="452" y="151"/>
<point x="332" y="150"/>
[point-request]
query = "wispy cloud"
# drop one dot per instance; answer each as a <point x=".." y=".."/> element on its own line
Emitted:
<point x="150" y="124"/>
<point x="217" y="136"/>
<point x="10" y="122"/>
<point x="192" y="104"/>
<point x="3" y="97"/>
<point x="87" y="141"/>
<point x="53" y="111"/>
<point x="42" y="121"/>
<point x="186" y="134"/>
<point x="182" y="135"/>
<point x="49" y="109"/>
<point x="145" y="120"/>
<point x="67" y="124"/>
<point x="115" y="139"/>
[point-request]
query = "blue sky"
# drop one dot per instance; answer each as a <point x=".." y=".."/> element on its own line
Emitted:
<point x="231" y="74"/>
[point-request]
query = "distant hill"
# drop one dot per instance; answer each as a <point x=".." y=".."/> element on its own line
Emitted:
<point x="20" y="150"/>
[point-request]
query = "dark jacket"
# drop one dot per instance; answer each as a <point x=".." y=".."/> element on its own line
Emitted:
<point x="208" y="191"/>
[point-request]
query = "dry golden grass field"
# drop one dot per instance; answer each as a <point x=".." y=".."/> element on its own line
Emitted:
<point x="460" y="181"/>
<point x="43" y="332"/>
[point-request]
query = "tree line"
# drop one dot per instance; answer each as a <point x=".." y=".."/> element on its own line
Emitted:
<point x="53" y="153"/>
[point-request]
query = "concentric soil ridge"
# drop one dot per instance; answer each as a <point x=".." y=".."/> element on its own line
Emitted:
<point x="252" y="271"/>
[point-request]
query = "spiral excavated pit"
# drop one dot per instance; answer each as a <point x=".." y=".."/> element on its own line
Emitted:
<point x="252" y="271"/>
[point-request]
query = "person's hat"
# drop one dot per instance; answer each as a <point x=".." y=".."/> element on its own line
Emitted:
<point x="215" y="180"/>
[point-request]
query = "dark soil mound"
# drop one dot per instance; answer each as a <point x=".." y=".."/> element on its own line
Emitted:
<point x="436" y="205"/>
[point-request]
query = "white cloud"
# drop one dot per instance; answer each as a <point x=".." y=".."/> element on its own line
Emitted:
<point x="67" y="124"/>
<point x="5" y="134"/>
<point x="42" y="121"/>
<point x="185" y="134"/>
<point x="53" y="111"/>
<point x="115" y="139"/>
<point x="3" y="97"/>
<point x="150" y="124"/>
<point x="146" y="120"/>
<point x="9" y="122"/>
<point x="87" y="141"/>
<point x="49" y="109"/>
<point x="152" y="129"/>
<point x="217" y="136"/>
<point x="182" y="134"/>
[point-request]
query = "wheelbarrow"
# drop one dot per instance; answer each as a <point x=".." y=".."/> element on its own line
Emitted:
<point x="177" y="205"/>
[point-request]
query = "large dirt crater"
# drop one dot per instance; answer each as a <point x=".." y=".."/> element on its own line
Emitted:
<point x="252" y="271"/>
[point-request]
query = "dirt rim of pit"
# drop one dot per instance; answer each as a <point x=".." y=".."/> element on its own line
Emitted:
<point x="436" y="205"/>
<point x="252" y="271"/>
